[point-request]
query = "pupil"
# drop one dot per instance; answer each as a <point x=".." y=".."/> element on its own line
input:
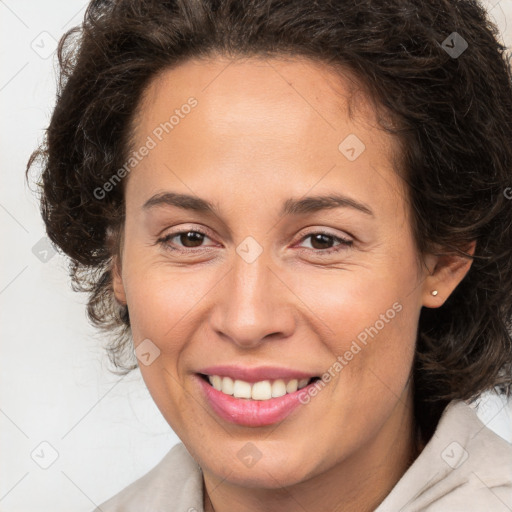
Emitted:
<point x="320" y="237"/>
<point x="186" y="237"/>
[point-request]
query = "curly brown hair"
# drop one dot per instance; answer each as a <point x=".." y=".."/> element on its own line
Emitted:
<point x="452" y="116"/>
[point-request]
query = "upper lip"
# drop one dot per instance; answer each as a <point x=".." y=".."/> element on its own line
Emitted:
<point x="255" y="374"/>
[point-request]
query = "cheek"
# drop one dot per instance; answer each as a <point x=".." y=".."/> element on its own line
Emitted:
<point x="351" y="303"/>
<point x="159" y="303"/>
<point x="369" y="316"/>
<point x="159" y="295"/>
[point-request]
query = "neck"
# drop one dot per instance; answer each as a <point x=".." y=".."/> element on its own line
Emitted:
<point x="358" y="483"/>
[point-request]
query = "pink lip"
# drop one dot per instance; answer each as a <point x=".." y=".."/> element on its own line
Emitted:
<point x="251" y="413"/>
<point x="255" y="374"/>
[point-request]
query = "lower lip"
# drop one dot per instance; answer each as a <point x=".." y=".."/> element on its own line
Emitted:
<point x="251" y="413"/>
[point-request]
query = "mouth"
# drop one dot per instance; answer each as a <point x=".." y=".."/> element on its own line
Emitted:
<point x="253" y="404"/>
<point x="262" y="390"/>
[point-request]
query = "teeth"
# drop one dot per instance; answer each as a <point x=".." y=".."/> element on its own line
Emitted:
<point x="228" y="386"/>
<point x="241" y="389"/>
<point x="278" y="388"/>
<point x="262" y="390"/>
<point x="292" y="386"/>
<point x="303" y="383"/>
<point x="216" y="382"/>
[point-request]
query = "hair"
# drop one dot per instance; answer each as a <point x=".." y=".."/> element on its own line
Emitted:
<point x="452" y="117"/>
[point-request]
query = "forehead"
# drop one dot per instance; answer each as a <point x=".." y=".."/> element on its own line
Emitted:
<point x="277" y="121"/>
<point x="298" y="92"/>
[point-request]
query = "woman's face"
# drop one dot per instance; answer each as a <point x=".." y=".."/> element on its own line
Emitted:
<point x="271" y="277"/>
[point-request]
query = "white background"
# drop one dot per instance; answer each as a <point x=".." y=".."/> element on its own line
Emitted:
<point x="55" y="384"/>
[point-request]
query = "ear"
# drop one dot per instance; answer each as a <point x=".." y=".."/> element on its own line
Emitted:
<point x="446" y="272"/>
<point x="114" y="241"/>
<point x="117" y="281"/>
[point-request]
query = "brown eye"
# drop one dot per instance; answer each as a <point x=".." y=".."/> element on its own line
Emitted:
<point x="191" y="238"/>
<point x="183" y="240"/>
<point x="323" y="242"/>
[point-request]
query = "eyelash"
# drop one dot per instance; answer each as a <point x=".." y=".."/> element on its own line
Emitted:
<point x="343" y="243"/>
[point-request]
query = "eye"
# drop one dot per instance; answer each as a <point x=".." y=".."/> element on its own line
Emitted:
<point x="321" y="239"/>
<point x="193" y="239"/>
<point x="190" y="239"/>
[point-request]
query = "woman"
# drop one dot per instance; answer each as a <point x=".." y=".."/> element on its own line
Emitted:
<point x="294" y="214"/>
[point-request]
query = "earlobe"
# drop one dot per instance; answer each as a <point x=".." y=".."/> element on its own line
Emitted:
<point x="448" y="271"/>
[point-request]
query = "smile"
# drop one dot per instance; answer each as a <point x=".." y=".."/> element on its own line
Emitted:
<point x="252" y="404"/>
<point x="261" y="390"/>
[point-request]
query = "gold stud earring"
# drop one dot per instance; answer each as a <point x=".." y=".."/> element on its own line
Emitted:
<point x="434" y="292"/>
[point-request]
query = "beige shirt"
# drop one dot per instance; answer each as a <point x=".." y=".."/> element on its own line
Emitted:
<point x="465" y="467"/>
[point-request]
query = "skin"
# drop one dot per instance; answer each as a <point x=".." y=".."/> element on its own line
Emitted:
<point x="265" y="131"/>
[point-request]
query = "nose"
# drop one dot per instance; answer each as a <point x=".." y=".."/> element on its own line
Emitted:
<point x="254" y="304"/>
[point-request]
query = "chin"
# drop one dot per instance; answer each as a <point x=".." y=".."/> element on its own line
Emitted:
<point x="273" y="470"/>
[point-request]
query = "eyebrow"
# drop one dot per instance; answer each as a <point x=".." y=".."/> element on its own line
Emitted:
<point x="291" y="206"/>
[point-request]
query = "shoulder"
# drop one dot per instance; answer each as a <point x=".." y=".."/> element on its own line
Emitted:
<point x="175" y="481"/>
<point x="464" y="467"/>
